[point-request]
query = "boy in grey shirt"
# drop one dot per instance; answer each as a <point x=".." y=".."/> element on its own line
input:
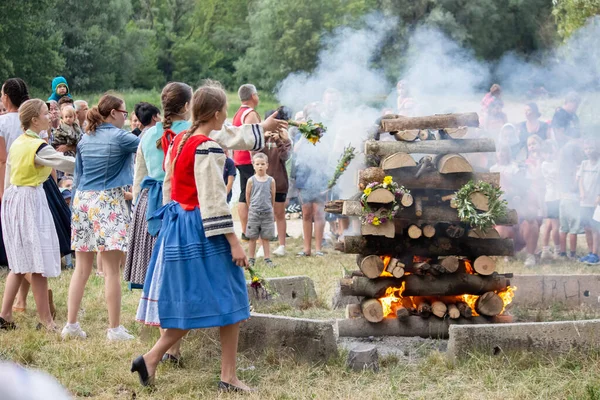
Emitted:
<point x="588" y="178"/>
<point x="260" y="197"/>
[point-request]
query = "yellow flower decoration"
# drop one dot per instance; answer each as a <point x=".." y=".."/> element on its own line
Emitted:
<point x="255" y="279"/>
<point x="367" y="191"/>
<point x="388" y="180"/>
<point x="376" y="221"/>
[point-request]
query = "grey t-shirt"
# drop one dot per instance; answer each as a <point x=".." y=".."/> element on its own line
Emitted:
<point x="261" y="199"/>
<point x="589" y="176"/>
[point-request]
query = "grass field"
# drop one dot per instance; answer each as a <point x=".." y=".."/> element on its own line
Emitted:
<point x="98" y="369"/>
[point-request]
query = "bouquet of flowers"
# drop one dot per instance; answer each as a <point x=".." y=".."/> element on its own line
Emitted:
<point x="347" y="156"/>
<point x="260" y="286"/>
<point x="312" y="131"/>
<point x="382" y="215"/>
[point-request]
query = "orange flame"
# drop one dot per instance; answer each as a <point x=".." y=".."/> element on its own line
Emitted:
<point x="386" y="262"/>
<point x="507" y="296"/>
<point x="469" y="267"/>
<point x="392" y="296"/>
<point x="470" y="299"/>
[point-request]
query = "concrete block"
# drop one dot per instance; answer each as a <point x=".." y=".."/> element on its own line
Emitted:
<point x="293" y="290"/>
<point x="547" y="337"/>
<point x="305" y="339"/>
<point x="545" y="290"/>
<point x="363" y="357"/>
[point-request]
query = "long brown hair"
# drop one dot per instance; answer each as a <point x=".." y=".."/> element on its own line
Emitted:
<point x="97" y="115"/>
<point x="173" y="98"/>
<point x="207" y="100"/>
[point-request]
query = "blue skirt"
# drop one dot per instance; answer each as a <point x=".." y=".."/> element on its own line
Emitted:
<point x="191" y="281"/>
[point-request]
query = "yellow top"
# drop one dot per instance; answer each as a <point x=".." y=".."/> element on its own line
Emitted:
<point x="21" y="158"/>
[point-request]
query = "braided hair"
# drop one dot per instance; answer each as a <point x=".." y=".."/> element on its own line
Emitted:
<point x="16" y="90"/>
<point x="173" y="98"/>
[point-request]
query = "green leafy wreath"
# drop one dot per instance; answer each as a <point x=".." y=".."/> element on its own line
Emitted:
<point x="478" y="219"/>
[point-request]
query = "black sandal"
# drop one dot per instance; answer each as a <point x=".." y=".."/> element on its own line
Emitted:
<point x="171" y="359"/>
<point x="9" y="326"/>
<point x="139" y="365"/>
<point x="228" y="387"/>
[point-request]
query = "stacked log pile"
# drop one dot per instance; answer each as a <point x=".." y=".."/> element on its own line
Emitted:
<point x="425" y="263"/>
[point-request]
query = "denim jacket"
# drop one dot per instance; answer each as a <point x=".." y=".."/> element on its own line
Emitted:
<point x="105" y="159"/>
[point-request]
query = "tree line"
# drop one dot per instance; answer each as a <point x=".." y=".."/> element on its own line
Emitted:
<point x="145" y="43"/>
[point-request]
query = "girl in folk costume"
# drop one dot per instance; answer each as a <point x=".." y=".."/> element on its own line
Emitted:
<point x="103" y="170"/>
<point x="29" y="233"/>
<point x="194" y="279"/>
<point x="149" y="176"/>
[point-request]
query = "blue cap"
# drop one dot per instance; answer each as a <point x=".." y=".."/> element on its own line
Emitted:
<point x="66" y="194"/>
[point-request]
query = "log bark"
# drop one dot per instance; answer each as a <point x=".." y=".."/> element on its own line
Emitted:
<point x="455" y="231"/>
<point x="450" y="264"/>
<point x="452" y="164"/>
<point x="427" y="285"/>
<point x="438" y="308"/>
<point x="372" y="310"/>
<point x="425" y="164"/>
<point x="437" y="121"/>
<point x="334" y="206"/>
<point x="402" y="313"/>
<point x="407" y="136"/>
<point x="453" y="311"/>
<point x="353" y="311"/>
<point x="456" y="133"/>
<point x="423" y="308"/>
<point x="414" y="232"/>
<point x="464" y="309"/>
<point x="428" y="231"/>
<point x="412" y="326"/>
<point x="433" y="180"/>
<point x="398" y="160"/>
<point x="372" y="266"/>
<point x="380" y="196"/>
<point x="491" y="233"/>
<point x="368" y="175"/>
<point x="484" y="265"/>
<point x="420" y="268"/>
<point x="434" y="247"/>
<point x="418" y="206"/>
<point x="431" y="213"/>
<point x="489" y="304"/>
<point x="482" y="145"/>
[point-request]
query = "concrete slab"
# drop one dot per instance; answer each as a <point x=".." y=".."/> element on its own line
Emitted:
<point x="293" y="290"/>
<point x="545" y="290"/>
<point x="305" y="339"/>
<point x="548" y="337"/>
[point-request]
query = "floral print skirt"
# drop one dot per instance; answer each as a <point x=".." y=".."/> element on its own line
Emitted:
<point x="100" y="219"/>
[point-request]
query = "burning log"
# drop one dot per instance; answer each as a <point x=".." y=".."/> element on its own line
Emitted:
<point x="428" y="231"/>
<point x="410" y="326"/>
<point x="398" y="160"/>
<point x="414" y="232"/>
<point x="427" y="285"/>
<point x="452" y="164"/>
<point x="453" y="311"/>
<point x="353" y="311"/>
<point x="396" y="268"/>
<point x="402" y="312"/>
<point x="431" y="213"/>
<point x="482" y="145"/>
<point x="464" y="309"/>
<point x="437" y="121"/>
<point x="450" y="264"/>
<point x="423" y="308"/>
<point x="371" y="266"/>
<point x="484" y="265"/>
<point x="434" y="247"/>
<point x="489" y="304"/>
<point x="407" y="136"/>
<point x="439" y="308"/>
<point x="372" y="310"/>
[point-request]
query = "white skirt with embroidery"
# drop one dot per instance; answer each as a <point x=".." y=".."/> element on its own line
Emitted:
<point x="29" y="232"/>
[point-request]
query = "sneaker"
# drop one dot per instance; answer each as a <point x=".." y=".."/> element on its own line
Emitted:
<point x="251" y="262"/>
<point x="572" y="255"/>
<point x="269" y="263"/>
<point x="119" y="333"/>
<point x="280" y="251"/>
<point x="530" y="260"/>
<point x="584" y="258"/>
<point x="547" y="254"/>
<point x="590" y="259"/>
<point x="260" y="253"/>
<point x="73" y="330"/>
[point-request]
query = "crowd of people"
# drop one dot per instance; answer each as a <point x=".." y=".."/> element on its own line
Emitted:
<point x="151" y="204"/>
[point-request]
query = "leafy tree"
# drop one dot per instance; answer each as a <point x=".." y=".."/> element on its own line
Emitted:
<point x="572" y="14"/>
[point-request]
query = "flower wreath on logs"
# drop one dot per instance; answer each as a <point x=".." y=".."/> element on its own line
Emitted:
<point x="384" y="214"/>
<point x="467" y="211"/>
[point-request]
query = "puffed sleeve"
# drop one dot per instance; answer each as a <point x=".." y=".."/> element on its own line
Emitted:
<point x="48" y="157"/>
<point x="212" y="191"/>
<point x="167" y="180"/>
<point x="246" y="137"/>
<point x="139" y="173"/>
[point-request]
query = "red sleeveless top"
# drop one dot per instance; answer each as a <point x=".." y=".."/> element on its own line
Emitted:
<point x="241" y="157"/>
<point x="183" y="183"/>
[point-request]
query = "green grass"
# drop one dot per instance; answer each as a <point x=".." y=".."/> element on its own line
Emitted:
<point x="132" y="97"/>
<point x="99" y="369"/>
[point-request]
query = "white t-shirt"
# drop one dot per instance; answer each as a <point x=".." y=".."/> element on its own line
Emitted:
<point x="10" y="128"/>
<point x="550" y="172"/>
<point x="589" y="174"/>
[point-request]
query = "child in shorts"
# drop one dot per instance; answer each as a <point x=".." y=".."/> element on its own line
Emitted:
<point x="588" y="178"/>
<point x="260" y="197"/>
<point x="569" y="159"/>
<point x="551" y="200"/>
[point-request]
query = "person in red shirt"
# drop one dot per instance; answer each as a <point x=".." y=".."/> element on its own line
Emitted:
<point x="246" y="114"/>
